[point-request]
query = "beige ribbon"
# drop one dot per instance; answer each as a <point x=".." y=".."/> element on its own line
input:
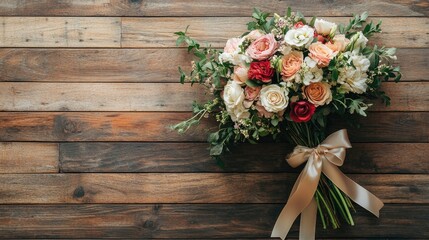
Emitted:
<point x="326" y="158"/>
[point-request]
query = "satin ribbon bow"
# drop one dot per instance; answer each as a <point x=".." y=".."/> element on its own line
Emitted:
<point x="326" y="158"/>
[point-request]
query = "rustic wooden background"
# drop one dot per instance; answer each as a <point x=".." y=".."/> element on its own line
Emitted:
<point x="89" y="88"/>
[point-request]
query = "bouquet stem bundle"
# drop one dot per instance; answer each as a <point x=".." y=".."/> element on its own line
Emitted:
<point x="331" y="201"/>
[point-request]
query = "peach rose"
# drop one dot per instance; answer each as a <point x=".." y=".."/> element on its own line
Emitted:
<point x="240" y="74"/>
<point x="320" y="53"/>
<point x="232" y="45"/>
<point x="338" y="44"/>
<point x="251" y="93"/>
<point x="291" y="63"/>
<point x="318" y="93"/>
<point x="255" y="34"/>
<point x="263" y="47"/>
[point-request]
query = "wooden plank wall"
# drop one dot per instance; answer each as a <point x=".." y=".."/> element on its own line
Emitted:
<point x="89" y="88"/>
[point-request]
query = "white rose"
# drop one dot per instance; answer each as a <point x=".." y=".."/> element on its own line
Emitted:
<point x="324" y="27"/>
<point x="357" y="42"/>
<point x="352" y="80"/>
<point x="300" y="37"/>
<point x="274" y="98"/>
<point x="233" y="94"/>
<point x="360" y="62"/>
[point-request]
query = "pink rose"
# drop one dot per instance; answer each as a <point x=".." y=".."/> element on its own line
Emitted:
<point x="291" y="63"/>
<point x="263" y="47"/>
<point x="320" y="53"/>
<point x="262" y="112"/>
<point x="240" y="74"/>
<point x="255" y="34"/>
<point x="251" y="93"/>
<point x="232" y="45"/>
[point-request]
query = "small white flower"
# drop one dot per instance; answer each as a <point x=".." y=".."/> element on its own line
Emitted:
<point x="300" y="37"/>
<point x="324" y="27"/>
<point x="309" y="72"/>
<point x="352" y="80"/>
<point x="357" y="42"/>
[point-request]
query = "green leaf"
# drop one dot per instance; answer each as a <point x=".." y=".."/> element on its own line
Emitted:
<point x="335" y="74"/>
<point x="216" y="150"/>
<point x="252" y="83"/>
<point x="275" y="122"/>
<point x="313" y="20"/>
<point x="213" y="137"/>
<point x="289" y="12"/>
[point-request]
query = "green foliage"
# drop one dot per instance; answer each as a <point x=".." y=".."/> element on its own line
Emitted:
<point x="261" y="21"/>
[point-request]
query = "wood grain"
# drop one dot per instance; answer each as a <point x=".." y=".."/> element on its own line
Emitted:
<point x="19" y="157"/>
<point x="208" y="8"/>
<point x="18" y="96"/>
<point x="188" y="187"/>
<point x="158" y="32"/>
<point x="135" y="65"/>
<point x="194" y="157"/>
<point x="60" y="32"/>
<point x="99" y="96"/>
<point x="151" y="126"/>
<point x="186" y="221"/>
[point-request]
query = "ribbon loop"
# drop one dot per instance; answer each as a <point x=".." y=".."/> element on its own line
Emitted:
<point x="324" y="158"/>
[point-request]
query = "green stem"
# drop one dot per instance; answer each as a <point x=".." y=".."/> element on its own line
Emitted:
<point x="331" y="216"/>
<point x="319" y="209"/>
<point x="349" y="216"/>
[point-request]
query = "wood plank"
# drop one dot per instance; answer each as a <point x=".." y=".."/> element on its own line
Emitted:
<point x="207" y="8"/>
<point x="154" y="126"/>
<point x="188" y="187"/>
<point x="135" y="65"/>
<point x="19" y="157"/>
<point x="158" y="32"/>
<point x="15" y="96"/>
<point x="197" y="221"/>
<point x="194" y="157"/>
<point x="19" y="96"/>
<point x="60" y="32"/>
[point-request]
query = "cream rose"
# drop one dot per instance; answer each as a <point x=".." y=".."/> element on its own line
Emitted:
<point x="321" y="54"/>
<point x="238" y="113"/>
<point x="263" y="47"/>
<point x="324" y="27"/>
<point x="240" y="74"/>
<point x="338" y="44"/>
<point x="318" y="93"/>
<point x="300" y="37"/>
<point x="291" y="64"/>
<point x="274" y="98"/>
<point x="352" y="80"/>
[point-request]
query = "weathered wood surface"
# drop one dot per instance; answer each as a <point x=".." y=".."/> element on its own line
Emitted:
<point x="29" y="157"/>
<point x="135" y="65"/>
<point x="60" y="32"/>
<point x="157" y="32"/>
<point x="104" y="96"/>
<point x="156" y="96"/>
<point x="208" y="8"/>
<point x="194" y="157"/>
<point x="154" y="126"/>
<point x="189" y="187"/>
<point x="233" y="221"/>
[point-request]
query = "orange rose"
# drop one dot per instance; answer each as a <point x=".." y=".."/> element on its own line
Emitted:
<point x="320" y="53"/>
<point x="291" y="63"/>
<point x="339" y="43"/>
<point x="318" y="93"/>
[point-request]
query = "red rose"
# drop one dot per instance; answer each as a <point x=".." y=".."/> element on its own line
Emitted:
<point x="302" y="111"/>
<point x="299" y="25"/>
<point x="261" y="71"/>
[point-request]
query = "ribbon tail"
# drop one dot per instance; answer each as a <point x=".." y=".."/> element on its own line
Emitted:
<point x="356" y="192"/>
<point x="307" y="226"/>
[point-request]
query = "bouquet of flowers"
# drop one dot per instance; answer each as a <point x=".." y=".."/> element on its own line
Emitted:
<point x="284" y="78"/>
